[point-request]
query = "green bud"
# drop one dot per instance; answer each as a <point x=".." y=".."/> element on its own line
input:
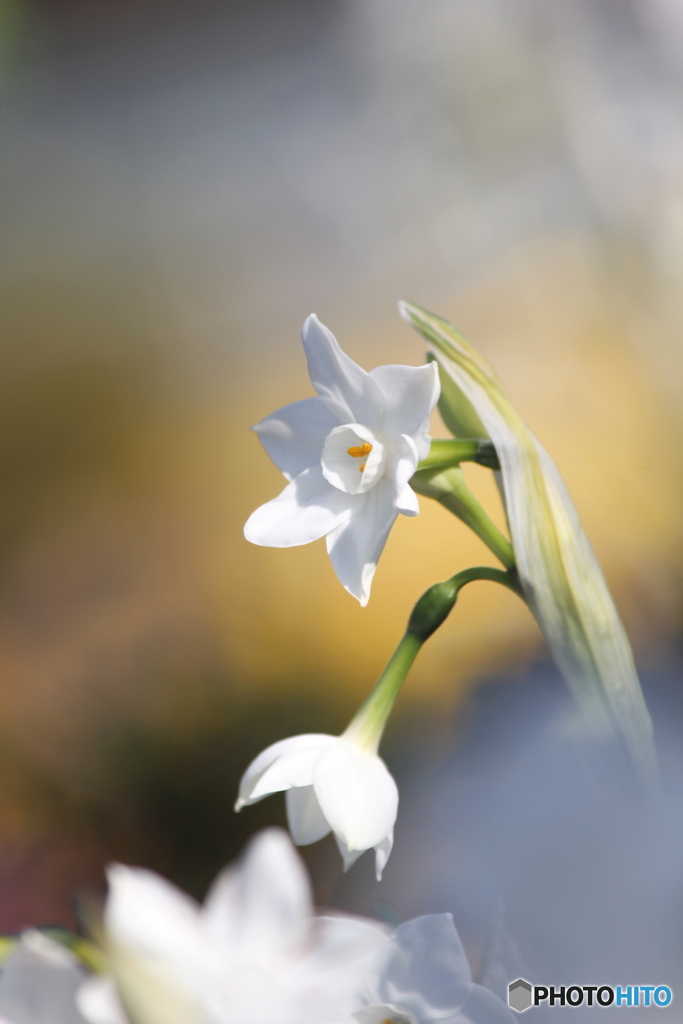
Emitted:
<point x="456" y="410"/>
<point x="432" y="609"/>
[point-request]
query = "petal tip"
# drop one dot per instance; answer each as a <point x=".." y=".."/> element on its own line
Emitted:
<point x="405" y="309"/>
<point x="310" y="321"/>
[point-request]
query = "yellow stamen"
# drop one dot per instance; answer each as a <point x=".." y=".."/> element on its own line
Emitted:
<point x="361" y="468"/>
<point x="359" y="451"/>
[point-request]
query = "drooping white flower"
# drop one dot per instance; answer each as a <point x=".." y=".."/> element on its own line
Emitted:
<point x="349" y="454"/>
<point x="253" y="954"/>
<point x="38" y="983"/>
<point x="424" y="978"/>
<point x="333" y="784"/>
<point x="559" y="573"/>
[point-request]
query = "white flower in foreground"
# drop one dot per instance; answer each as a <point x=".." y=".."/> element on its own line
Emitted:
<point x="334" y="784"/>
<point x="38" y="983"/>
<point x="349" y="454"/>
<point x="559" y="573"/>
<point x="425" y="977"/>
<point x="253" y="954"/>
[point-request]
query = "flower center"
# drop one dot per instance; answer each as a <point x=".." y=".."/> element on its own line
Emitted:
<point x="343" y="446"/>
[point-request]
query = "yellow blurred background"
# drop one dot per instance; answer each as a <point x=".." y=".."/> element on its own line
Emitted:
<point x="181" y="185"/>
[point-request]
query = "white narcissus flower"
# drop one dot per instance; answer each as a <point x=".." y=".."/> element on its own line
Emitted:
<point x="333" y="784"/>
<point x="253" y="954"/>
<point x="424" y="977"/>
<point x="349" y="454"/>
<point x="559" y="573"/>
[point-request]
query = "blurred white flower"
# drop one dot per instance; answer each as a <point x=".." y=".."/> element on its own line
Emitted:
<point x="560" y="576"/>
<point x="253" y="954"/>
<point x="38" y="983"/>
<point x="349" y="454"/>
<point x="425" y="977"/>
<point x="334" y="784"/>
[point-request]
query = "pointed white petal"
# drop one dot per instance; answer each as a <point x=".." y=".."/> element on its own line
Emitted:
<point x="306" y="510"/>
<point x="382" y="851"/>
<point x="562" y="581"/>
<point x="307" y="823"/>
<point x="349" y="857"/>
<point x="261" y="908"/>
<point x="357" y="795"/>
<point x="281" y="765"/>
<point x="427" y="973"/>
<point x="411" y="392"/>
<point x="98" y="1001"/>
<point x="336" y="377"/>
<point x="354" y="547"/>
<point x="147" y="915"/>
<point x="294" y="435"/>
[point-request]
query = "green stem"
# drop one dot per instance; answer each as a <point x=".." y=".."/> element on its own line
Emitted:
<point x="453" y="451"/>
<point x="432" y="609"/>
<point x="448" y="487"/>
<point x="368" y="723"/>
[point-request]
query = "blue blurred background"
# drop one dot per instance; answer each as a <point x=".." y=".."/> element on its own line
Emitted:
<point x="182" y="183"/>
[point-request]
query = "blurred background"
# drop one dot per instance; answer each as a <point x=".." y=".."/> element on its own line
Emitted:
<point x="181" y="183"/>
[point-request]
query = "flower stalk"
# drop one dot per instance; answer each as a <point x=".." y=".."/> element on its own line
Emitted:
<point x="430" y="612"/>
<point x="449" y="488"/>
<point x="452" y="451"/>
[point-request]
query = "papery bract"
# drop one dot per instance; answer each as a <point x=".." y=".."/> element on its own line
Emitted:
<point x="349" y="454"/>
<point x="559" y="573"/>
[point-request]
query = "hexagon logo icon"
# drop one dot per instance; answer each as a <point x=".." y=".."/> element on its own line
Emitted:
<point x="519" y="995"/>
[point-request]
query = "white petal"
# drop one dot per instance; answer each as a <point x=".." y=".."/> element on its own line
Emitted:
<point x="98" y="1001"/>
<point x="484" y="1007"/>
<point x="349" y="857"/>
<point x="336" y="377"/>
<point x="354" y="547"/>
<point x="402" y="465"/>
<point x="344" y="954"/>
<point x="357" y="795"/>
<point x="261" y="906"/>
<point x="428" y="973"/>
<point x="411" y="392"/>
<point x="281" y="765"/>
<point x="382" y="851"/>
<point x="341" y="939"/>
<point x="145" y="914"/>
<point x="294" y="435"/>
<point x="307" y="823"/>
<point x="306" y="510"/>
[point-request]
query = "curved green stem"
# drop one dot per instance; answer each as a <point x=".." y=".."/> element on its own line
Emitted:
<point x="448" y="487"/>
<point x="432" y="609"/>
